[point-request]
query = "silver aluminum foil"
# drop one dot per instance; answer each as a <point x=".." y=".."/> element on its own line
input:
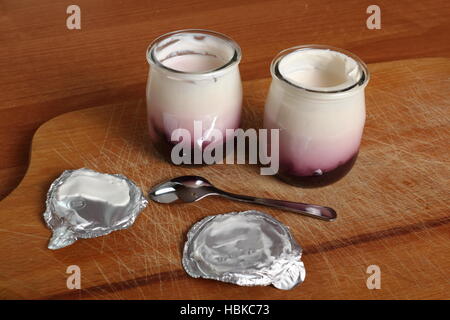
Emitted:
<point x="246" y="248"/>
<point x="77" y="216"/>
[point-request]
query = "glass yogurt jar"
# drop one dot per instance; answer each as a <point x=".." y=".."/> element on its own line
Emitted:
<point x="316" y="99"/>
<point x="194" y="92"/>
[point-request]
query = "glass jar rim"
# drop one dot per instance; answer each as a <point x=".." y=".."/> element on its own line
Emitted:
<point x="361" y="83"/>
<point x="235" y="58"/>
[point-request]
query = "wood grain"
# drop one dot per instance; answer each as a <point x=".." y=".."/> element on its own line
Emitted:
<point x="47" y="70"/>
<point x="393" y="206"/>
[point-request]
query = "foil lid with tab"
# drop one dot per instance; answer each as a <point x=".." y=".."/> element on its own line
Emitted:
<point x="245" y="248"/>
<point x="86" y="204"/>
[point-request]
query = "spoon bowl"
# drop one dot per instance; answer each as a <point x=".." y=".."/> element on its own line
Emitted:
<point x="182" y="189"/>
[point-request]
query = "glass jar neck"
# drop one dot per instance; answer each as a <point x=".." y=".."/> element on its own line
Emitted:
<point x="310" y="63"/>
<point x="193" y="54"/>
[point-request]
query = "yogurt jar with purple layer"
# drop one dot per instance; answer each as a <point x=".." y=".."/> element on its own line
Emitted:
<point x="316" y="100"/>
<point x="194" y="87"/>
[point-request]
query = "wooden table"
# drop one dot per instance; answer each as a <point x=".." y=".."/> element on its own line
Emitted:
<point x="47" y="70"/>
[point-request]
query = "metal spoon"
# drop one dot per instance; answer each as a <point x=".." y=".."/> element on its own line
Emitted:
<point x="194" y="188"/>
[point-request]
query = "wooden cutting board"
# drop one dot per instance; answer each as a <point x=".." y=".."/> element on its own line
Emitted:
<point x="393" y="206"/>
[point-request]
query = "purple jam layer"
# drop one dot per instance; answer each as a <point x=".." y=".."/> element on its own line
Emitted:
<point x="288" y="174"/>
<point x="161" y="137"/>
<point x="315" y="154"/>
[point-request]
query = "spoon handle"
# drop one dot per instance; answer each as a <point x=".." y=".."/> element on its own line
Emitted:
<point x="310" y="210"/>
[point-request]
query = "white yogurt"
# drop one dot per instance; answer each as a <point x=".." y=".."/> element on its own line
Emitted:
<point x="193" y="63"/>
<point x="320" y="69"/>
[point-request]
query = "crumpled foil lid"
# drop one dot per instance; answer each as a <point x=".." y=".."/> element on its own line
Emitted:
<point x="86" y="204"/>
<point x="245" y="248"/>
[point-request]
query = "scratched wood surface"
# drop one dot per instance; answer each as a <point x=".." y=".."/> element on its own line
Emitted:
<point x="48" y="70"/>
<point x="393" y="206"/>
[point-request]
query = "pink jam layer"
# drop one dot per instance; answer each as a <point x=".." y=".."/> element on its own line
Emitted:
<point x="308" y="156"/>
<point x="162" y="125"/>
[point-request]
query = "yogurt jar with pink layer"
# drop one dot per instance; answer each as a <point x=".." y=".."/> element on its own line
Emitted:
<point x="194" y="84"/>
<point x="316" y="99"/>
